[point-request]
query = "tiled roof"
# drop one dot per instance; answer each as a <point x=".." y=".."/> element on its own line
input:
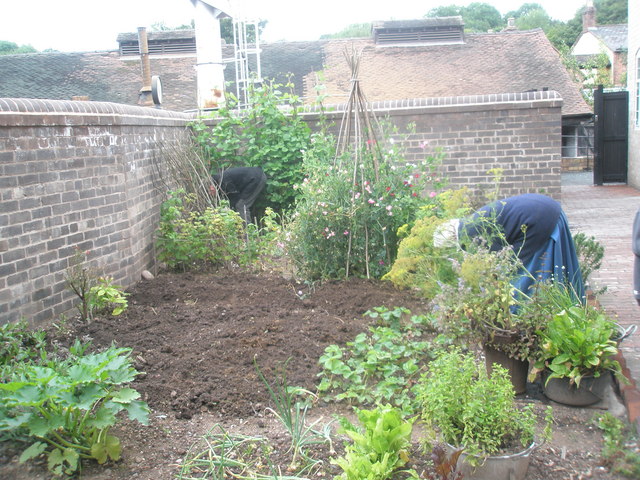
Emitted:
<point x="101" y="76"/>
<point x="506" y="62"/>
<point x="509" y="62"/>
<point x="613" y="36"/>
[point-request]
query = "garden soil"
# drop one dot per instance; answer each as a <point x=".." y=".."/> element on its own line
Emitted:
<point x="198" y="339"/>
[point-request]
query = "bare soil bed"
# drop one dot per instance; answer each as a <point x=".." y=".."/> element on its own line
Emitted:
<point x="196" y="337"/>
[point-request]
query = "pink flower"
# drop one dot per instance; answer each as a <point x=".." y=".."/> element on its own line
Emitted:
<point x="432" y="194"/>
<point x="346" y="232"/>
<point x="371" y="201"/>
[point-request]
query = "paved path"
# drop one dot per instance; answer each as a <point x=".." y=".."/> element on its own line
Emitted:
<point x="607" y="213"/>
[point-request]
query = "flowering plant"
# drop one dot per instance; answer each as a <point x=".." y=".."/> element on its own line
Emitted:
<point x="347" y="218"/>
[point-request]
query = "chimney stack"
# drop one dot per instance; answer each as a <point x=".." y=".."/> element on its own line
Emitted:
<point x="144" y="97"/>
<point x="588" y="16"/>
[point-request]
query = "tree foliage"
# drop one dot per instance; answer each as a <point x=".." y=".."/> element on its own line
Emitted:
<point x="477" y="16"/>
<point x="226" y="29"/>
<point x="11" y="48"/>
<point x="354" y="30"/>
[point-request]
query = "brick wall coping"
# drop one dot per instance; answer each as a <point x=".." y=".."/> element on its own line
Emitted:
<point x="29" y="112"/>
<point x="499" y="100"/>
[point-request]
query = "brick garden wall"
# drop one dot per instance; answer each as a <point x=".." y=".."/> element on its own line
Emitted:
<point x="75" y="175"/>
<point x="79" y="175"/>
<point x="518" y="132"/>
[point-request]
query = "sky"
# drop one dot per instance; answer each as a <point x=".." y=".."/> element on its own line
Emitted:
<point x="94" y="25"/>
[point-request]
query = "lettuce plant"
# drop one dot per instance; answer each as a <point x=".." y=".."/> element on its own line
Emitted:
<point x="378" y="448"/>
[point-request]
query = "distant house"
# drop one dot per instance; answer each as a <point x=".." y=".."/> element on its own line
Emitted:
<point x="401" y="60"/>
<point x="597" y="40"/>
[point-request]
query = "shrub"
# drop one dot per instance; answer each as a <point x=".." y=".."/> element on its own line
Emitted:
<point x="190" y="239"/>
<point x="590" y="254"/>
<point x="420" y="265"/>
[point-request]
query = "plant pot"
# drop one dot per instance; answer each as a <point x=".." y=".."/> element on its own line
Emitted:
<point x="622" y="333"/>
<point x="518" y="369"/>
<point x="498" y="467"/>
<point x="560" y="390"/>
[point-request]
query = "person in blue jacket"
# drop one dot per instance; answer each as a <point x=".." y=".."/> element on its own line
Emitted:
<point x="537" y="229"/>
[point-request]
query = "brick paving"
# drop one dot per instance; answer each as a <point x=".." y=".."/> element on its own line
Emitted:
<point x="607" y="213"/>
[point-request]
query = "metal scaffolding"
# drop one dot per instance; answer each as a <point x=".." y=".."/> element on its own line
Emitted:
<point x="246" y="58"/>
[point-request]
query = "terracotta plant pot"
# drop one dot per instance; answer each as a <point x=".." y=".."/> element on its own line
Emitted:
<point x="561" y="390"/>
<point x="518" y="369"/>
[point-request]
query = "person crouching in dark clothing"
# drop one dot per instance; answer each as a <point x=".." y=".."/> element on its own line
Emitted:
<point x="241" y="185"/>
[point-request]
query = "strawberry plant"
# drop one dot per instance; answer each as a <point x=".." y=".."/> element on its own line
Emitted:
<point x="66" y="407"/>
<point x="378" y="366"/>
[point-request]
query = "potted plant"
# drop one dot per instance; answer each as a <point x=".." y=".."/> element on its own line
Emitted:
<point x="483" y="306"/>
<point x="466" y="407"/>
<point x="576" y="352"/>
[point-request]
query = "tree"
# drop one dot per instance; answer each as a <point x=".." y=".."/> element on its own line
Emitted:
<point x="226" y="29"/>
<point x="482" y="17"/>
<point x="445" y="11"/>
<point x="523" y="10"/>
<point x="610" y="12"/>
<point x="10" y="48"/>
<point x="477" y="17"/>
<point x="354" y="30"/>
<point x="536" y="18"/>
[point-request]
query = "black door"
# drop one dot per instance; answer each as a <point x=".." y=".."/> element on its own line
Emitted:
<point x="611" y="136"/>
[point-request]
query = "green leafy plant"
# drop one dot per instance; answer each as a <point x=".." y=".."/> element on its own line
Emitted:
<point x="105" y="295"/>
<point x="269" y="133"/>
<point x="19" y="344"/>
<point x="66" y="407"/>
<point x="464" y="406"/>
<point x="380" y="365"/>
<point x="379" y="448"/>
<point x="577" y="342"/>
<point x="618" y="449"/>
